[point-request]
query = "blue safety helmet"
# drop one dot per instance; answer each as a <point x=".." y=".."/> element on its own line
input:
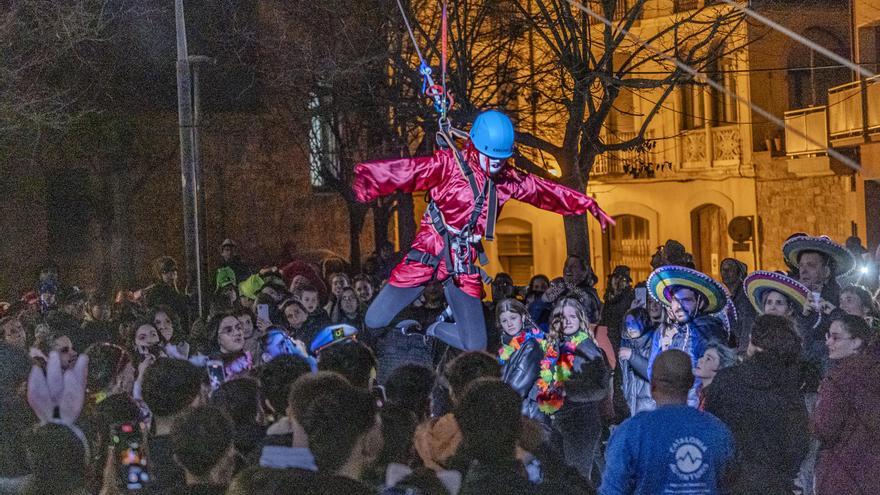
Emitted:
<point x="492" y="134"/>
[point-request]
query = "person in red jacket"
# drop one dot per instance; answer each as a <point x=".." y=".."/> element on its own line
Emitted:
<point x="468" y="189"/>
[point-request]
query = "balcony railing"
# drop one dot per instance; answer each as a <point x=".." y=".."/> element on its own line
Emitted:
<point x="845" y="116"/>
<point x="710" y="147"/>
<point x="872" y="94"/>
<point x="854" y="111"/>
<point x="810" y="122"/>
<point x="614" y="162"/>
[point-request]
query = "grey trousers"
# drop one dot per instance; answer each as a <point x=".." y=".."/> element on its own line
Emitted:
<point x="467" y="333"/>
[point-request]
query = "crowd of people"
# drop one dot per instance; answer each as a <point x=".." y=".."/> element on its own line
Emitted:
<point x="765" y="382"/>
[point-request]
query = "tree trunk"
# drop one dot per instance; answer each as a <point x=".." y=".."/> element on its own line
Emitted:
<point x="577" y="238"/>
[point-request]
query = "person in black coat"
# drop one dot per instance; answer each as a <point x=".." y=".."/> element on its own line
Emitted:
<point x="759" y="400"/>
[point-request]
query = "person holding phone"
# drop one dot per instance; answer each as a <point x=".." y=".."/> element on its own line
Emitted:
<point x="635" y="350"/>
<point x="226" y="341"/>
<point x="144" y="341"/>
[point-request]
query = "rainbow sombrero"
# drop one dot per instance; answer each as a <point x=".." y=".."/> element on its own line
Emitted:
<point x="759" y="283"/>
<point x="844" y="261"/>
<point x="665" y="279"/>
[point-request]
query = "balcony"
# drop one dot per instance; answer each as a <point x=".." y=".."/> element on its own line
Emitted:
<point x="806" y="132"/>
<point x="614" y="162"/>
<point x="711" y="147"/>
<point x="854" y="112"/>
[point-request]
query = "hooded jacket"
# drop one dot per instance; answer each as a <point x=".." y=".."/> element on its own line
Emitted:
<point x="636" y="382"/>
<point x="847" y="423"/>
<point x="441" y="176"/>
<point x="760" y="402"/>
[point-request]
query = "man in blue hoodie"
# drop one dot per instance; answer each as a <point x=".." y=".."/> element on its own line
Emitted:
<point x="674" y="449"/>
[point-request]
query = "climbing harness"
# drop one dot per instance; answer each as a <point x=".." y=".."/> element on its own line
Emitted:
<point x="457" y="243"/>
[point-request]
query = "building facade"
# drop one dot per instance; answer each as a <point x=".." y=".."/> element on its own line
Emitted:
<point x="720" y="160"/>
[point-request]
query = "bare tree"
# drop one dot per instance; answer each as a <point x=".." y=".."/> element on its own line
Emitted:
<point x="579" y="67"/>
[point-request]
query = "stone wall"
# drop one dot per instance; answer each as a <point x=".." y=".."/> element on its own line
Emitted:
<point x="257" y="189"/>
<point x="816" y="205"/>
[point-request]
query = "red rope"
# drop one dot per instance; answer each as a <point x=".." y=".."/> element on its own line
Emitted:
<point x="443" y="52"/>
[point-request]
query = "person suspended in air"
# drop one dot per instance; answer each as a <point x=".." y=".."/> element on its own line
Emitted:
<point x="467" y="190"/>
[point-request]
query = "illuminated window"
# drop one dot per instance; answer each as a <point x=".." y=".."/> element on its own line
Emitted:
<point x="323" y="144"/>
<point x="514" y="241"/>
<point x="629" y="243"/>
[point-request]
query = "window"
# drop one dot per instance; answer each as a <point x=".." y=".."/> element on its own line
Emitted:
<point x="721" y="107"/>
<point x="514" y="240"/>
<point x="692" y="107"/>
<point x="811" y="74"/>
<point x="323" y="144"/>
<point x="722" y="71"/>
<point x="869" y="47"/>
<point x="685" y="5"/>
<point x="628" y="243"/>
<point x="621" y="119"/>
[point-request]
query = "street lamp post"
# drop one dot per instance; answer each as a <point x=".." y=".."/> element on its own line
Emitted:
<point x="188" y="123"/>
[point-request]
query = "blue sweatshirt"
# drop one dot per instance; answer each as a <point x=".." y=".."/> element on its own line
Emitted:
<point x="671" y="450"/>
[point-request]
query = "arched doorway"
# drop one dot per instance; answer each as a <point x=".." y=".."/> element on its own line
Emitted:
<point x="628" y="243"/>
<point x="709" y="238"/>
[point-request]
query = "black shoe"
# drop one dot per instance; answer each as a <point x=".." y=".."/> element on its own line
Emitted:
<point x="410" y="327"/>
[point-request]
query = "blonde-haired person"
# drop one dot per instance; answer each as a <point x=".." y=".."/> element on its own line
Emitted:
<point x="574" y="379"/>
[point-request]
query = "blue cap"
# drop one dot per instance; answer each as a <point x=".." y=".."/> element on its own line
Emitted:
<point x="330" y="335"/>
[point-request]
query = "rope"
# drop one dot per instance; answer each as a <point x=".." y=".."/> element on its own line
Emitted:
<point x="442" y="100"/>
<point x="444" y="39"/>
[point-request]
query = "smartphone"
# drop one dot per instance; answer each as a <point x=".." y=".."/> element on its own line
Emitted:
<point x="131" y="460"/>
<point x="641" y="299"/>
<point x="216" y="374"/>
<point x="263" y="312"/>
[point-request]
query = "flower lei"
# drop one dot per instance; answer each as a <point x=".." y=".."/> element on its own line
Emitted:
<point x="555" y="371"/>
<point x="507" y="350"/>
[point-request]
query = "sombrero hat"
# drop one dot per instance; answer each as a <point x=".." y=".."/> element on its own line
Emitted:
<point x="759" y="283"/>
<point x="664" y="280"/>
<point x="843" y="260"/>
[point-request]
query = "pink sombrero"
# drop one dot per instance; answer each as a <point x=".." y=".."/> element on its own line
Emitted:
<point x="758" y="284"/>
<point x="664" y="280"/>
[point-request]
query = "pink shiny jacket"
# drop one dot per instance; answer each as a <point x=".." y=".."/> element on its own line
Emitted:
<point x="449" y="188"/>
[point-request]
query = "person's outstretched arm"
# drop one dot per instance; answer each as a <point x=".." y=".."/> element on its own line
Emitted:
<point x="383" y="177"/>
<point x="550" y="196"/>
